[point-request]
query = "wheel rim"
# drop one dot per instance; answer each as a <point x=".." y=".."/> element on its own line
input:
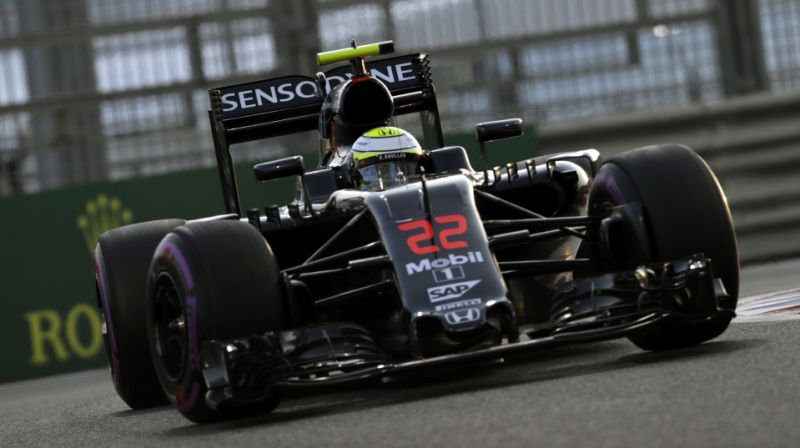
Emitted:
<point x="171" y="339"/>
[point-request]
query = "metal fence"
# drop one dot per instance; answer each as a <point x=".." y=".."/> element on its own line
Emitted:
<point x="111" y="89"/>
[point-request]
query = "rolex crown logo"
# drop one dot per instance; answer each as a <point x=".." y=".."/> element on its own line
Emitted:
<point x="102" y="213"/>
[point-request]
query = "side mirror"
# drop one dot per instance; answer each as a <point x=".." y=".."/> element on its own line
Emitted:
<point x="496" y="130"/>
<point x="277" y="169"/>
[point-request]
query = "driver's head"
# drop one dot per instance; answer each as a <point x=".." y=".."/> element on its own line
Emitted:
<point x="385" y="157"/>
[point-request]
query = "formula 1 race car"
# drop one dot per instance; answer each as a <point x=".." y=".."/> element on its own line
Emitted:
<point x="397" y="256"/>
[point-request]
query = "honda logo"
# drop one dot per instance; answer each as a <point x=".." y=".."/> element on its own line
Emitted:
<point x="464" y="316"/>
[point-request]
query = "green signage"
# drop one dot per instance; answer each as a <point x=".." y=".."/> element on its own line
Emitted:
<point x="49" y="321"/>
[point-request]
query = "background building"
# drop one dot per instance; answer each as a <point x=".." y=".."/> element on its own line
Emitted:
<point x="109" y="89"/>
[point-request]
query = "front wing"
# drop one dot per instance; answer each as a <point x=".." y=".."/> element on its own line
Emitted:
<point x="592" y="309"/>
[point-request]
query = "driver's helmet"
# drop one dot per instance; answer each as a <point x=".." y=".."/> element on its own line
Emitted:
<point x="385" y="157"/>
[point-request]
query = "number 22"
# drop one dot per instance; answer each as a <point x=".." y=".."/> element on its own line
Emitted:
<point x="427" y="234"/>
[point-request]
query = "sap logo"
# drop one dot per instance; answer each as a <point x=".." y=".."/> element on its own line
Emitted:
<point x="451" y="291"/>
<point x="464" y="316"/>
<point x="440" y="263"/>
<point x="459" y="304"/>
<point x="248" y="99"/>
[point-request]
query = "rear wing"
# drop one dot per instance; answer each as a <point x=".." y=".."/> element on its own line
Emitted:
<point x="290" y="104"/>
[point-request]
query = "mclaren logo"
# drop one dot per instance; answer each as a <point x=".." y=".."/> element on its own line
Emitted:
<point x="102" y="214"/>
<point x="450" y="291"/>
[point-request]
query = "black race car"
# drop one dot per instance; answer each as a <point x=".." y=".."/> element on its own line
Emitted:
<point x="394" y="258"/>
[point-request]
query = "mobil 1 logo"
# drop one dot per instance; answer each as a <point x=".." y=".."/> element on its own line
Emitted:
<point x="448" y="274"/>
<point x="442" y="264"/>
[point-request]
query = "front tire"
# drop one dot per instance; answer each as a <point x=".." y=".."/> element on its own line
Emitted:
<point x="685" y="213"/>
<point x="122" y="258"/>
<point x="210" y="280"/>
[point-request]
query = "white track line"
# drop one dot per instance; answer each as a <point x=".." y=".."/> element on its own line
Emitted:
<point x="780" y="305"/>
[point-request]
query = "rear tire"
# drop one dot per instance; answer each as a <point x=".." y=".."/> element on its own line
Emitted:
<point x="219" y="280"/>
<point x="685" y="213"/>
<point x="122" y="258"/>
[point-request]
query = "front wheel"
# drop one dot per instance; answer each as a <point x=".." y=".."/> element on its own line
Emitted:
<point x="685" y="213"/>
<point x="209" y="280"/>
<point x="122" y="257"/>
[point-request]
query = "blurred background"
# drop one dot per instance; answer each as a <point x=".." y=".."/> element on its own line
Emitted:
<point x="110" y="89"/>
<point x="94" y="90"/>
<point x="103" y="103"/>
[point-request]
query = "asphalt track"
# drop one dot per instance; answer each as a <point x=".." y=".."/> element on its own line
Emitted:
<point x="742" y="389"/>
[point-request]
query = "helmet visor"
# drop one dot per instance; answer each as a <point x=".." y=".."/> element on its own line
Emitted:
<point x="377" y="174"/>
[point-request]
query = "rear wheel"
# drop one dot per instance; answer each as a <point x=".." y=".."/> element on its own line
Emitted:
<point x="122" y="257"/>
<point x="211" y="280"/>
<point x="685" y="213"/>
